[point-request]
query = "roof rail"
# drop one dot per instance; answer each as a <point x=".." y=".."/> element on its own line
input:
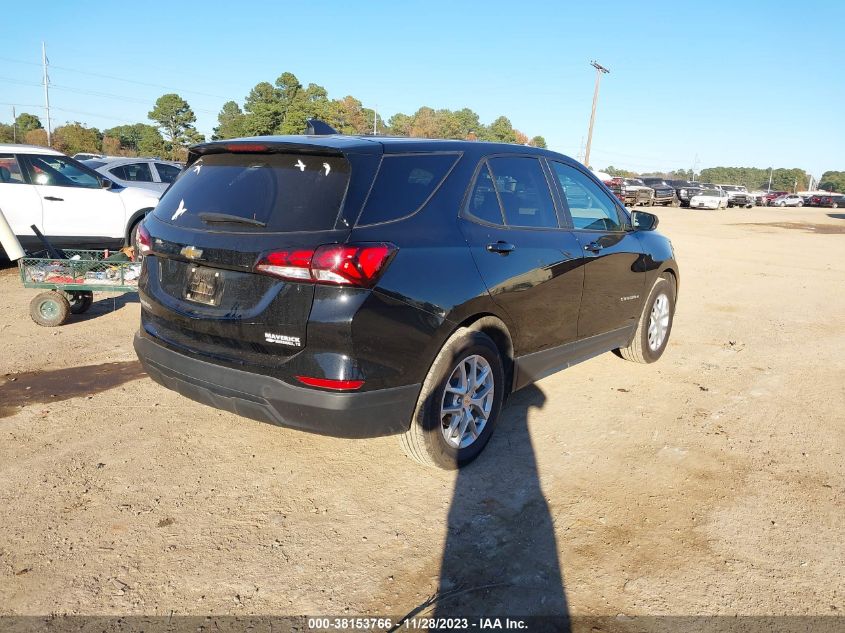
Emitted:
<point x="319" y="128"/>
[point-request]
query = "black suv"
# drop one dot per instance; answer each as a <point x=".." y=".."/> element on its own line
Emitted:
<point x="364" y="286"/>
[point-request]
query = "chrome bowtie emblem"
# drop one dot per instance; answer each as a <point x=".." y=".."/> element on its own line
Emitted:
<point x="191" y="252"/>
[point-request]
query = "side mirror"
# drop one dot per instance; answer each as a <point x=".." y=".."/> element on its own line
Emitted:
<point x="105" y="183"/>
<point x="644" y="221"/>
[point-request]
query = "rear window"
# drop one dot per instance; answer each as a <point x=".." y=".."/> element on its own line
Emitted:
<point x="259" y="192"/>
<point x="403" y="184"/>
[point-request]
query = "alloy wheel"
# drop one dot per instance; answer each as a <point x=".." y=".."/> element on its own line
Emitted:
<point x="658" y="322"/>
<point x="467" y="401"/>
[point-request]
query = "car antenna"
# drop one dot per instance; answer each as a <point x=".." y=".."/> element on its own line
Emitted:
<point x="319" y="128"/>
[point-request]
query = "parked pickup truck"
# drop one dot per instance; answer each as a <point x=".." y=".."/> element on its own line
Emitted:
<point x="685" y="190"/>
<point x="632" y="191"/>
<point x="664" y="191"/>
<point x="738" y="196"/>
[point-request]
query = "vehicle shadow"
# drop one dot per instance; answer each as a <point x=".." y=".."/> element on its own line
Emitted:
<point x="501" y="556"/>
<point x="53" y="385"/>
<point x="836" y="216"/>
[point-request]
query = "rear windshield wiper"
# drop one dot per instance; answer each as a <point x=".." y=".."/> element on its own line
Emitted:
<point x="221" y="218"/>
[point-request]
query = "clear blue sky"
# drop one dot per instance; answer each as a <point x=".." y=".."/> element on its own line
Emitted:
<point x="736" y="83"/>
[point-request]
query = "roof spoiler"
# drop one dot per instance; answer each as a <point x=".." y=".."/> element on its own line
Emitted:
<point x="316" y="127"/>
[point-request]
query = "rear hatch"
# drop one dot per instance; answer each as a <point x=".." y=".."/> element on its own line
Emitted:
<point x="235" y="203"/>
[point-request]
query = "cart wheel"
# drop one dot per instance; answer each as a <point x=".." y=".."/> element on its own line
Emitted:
<point x="79" y="301"/>
<point x="49" y="309"/>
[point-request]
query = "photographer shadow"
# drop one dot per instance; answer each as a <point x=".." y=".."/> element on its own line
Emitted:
<point x="501" y="555"/>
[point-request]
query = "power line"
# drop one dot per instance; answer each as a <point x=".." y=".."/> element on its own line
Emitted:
<point x="116" y="78"/>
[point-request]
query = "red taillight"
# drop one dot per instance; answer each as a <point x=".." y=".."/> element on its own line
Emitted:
<point x="341" y="264"/>
<point x="328" y="383"/>
<point x="145" y="242"/>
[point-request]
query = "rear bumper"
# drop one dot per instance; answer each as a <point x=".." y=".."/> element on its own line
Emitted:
<point x="364" y="414"/>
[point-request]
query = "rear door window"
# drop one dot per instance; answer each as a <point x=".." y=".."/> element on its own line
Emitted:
<point x="403" y="184"/>
<point x="524" y="192"/>
<point x="283" y="192"/>
<point x="483" y="203"/>
<point x="167" y="173"/>
<point x="135" y="172"/>
<point x="10" y="171"/>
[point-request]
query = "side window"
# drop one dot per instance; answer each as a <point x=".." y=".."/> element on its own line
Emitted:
<point x="589" y="205"/>
<point x="10" y="171"/>
<point x="524" y="192"/>
<point x="483" y="202"/>
<point x="135" y="172"/>
<point x="403" y="183"/>
<point x="167" y="173"/>
<point x="60" y="171"/>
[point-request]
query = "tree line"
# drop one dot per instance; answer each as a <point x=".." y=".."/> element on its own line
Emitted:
<point x="282" y="107"/>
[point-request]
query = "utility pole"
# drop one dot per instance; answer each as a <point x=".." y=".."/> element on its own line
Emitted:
<point x="375" y="120"/>
<point x="600" y="70"/>
<point x="44" y="63"/>
<point x="769" y="190"/>
<point x="14" y="126"/>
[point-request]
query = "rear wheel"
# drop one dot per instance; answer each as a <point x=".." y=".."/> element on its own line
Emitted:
<point x="655" y="324"/>
<point x="459" y="403"/>
<point x="49" y="308"/>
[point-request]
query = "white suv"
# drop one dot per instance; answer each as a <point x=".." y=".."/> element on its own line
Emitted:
<point x="71" y="204"/>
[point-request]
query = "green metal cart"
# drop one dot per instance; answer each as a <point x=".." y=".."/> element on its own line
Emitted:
<point x="69" y="284"/>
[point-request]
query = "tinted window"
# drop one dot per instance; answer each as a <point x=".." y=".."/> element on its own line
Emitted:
<point x="275" y="192"/>
<point x="135" y="172"/>
<point x="61" y="171"/>
<point x="403" y="184"/>
<point x="483" y="202"/>
<point x="589" y="205"/>
<point x="167" y="173"/>
<point x="524" y="192"/>
<point x="10" y="171"/>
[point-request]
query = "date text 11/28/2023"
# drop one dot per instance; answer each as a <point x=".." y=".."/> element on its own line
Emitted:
<point x="416" y="623"/>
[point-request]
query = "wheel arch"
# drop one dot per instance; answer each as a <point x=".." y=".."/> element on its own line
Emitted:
<point x="495" y="328"/>
<point x="133" y="220"/>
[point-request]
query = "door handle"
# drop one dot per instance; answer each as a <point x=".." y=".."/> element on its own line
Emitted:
<point x="54" y="198"/>
<point x="503" y="248"/>
<point x="593" y="246"/>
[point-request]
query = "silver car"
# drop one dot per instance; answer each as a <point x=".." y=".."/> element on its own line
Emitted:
<point x="790" y="200"/>
<point x="147" y="173"/>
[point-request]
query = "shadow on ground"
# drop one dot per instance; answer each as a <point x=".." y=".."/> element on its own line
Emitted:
<point x="20" y="390"/>
<point x="109" y="303"/>
<point x="836" y="216"/>
<point x="500" y="557"/>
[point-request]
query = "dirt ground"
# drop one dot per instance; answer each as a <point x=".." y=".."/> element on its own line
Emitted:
<point x="711" y="482"/>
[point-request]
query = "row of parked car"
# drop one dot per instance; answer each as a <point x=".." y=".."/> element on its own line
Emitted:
<point x="685" y="193"/>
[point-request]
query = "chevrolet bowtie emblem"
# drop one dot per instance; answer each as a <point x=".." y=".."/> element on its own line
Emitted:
<point x="191" y="252"/>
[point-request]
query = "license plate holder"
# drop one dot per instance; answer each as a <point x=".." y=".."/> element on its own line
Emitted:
<point x="203" y="286"/>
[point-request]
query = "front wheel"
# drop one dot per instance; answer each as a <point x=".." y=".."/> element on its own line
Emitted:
<point x="800" y="204"/>
<point x="459" y="403"/>
<point x="655" y="324"/>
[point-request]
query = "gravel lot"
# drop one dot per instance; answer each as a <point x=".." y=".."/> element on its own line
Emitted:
<point x="709" y="483"/>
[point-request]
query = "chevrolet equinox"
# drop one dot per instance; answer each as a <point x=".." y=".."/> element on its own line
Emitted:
<point x="365" y="286"/>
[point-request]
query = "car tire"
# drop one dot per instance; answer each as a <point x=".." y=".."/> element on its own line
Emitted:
<point x="79" y="301"/>
<point x="655" y="324"/>
<point x="781" y="204"/>
<point x="133" y="240"/>
<point x="49" y="309"/>
<point x="440" y="403"/>
<point x="834" y="205"/>
<point x="800" y="204"/>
